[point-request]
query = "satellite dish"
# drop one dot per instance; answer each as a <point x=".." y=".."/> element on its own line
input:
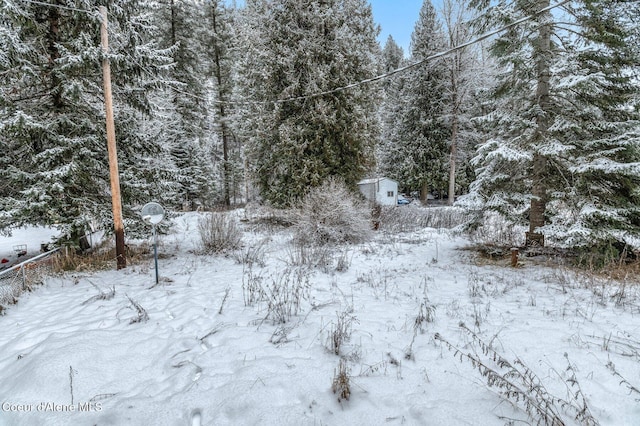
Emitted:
<point x="152" y="213"/>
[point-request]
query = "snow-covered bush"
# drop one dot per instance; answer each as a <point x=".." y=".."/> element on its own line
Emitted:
<point x="495" y="230"/>
<point x="331" y="214"/>
<point x="218" y="233"/>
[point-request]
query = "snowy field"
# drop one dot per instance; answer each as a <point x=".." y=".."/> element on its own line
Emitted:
<point x="418" y="327"/>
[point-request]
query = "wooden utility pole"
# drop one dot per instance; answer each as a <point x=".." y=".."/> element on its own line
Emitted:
<point x="111" y="146"/>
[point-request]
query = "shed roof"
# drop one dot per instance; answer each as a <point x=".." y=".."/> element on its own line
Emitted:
<point x="374" y="180"/>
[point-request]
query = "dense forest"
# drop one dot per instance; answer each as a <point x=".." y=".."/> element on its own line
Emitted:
<point x="218" y="105"/>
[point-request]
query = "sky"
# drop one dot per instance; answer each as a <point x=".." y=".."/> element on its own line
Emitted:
<point x="396" y="18"/>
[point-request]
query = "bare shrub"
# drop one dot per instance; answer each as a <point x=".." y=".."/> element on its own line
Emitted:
<point x="340" y="331"/>
<point x="302" y="253"/>
<point x="622" y="381"/>
<point x="332" y="214"/>
<point x="282" y="292"/>
<point x="102" y="295"/>
<point x="343" y="261"/>
<point x="341" y="385"/>
<point x="378" y="280"/>
<point x="286" y="293"/>
<point x="252" y="254"/>
<point x="325" y="257"/>
<point x="280" y="335"/>
<point x="218" y="233"/>
<point x="426" y="314"/>
<point x="252" y="287"/>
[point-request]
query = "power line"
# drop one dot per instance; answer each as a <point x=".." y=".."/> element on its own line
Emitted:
<point x="361" y="82"/>
<point x="385" y="75"/>
<point x="425" y="60"/>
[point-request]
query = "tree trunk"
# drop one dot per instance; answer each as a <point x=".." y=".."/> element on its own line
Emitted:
<point x="221" y="109"/>
<point x="539" y="172"/>
<point x="452" y="159"/>
<point x="173" y="23"/>
<point x="53" y="38"/>
<point x="424" y="193"/>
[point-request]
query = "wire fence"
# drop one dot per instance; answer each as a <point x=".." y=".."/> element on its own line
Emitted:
<point x="21" y="277"/>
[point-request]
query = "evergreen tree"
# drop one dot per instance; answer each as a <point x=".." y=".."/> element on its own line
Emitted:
<point x="564" y="146"/>
<point x="183" y="115"/>
<point x="218" y="42"/>
<point x="391" y="58"/>
<point x="464" y="74"/>
<point x="52" y="123"/>
<point x="416" y="134"/>
<point x="296" y="50"/>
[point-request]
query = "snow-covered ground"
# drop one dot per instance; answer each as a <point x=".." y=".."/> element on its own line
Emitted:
<point x="395" y="309"/>
<point x="31" y="237"/>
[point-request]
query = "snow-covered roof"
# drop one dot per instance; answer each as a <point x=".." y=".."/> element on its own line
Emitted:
<point x="374" y="180"/>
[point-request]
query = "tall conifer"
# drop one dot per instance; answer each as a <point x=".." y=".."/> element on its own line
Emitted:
<point x="52" y="124"/>
<point x="296" y="50"/>
<point x="564" y="149"/>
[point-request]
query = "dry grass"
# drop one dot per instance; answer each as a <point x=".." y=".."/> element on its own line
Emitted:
<point x="102" y="258"/>
<point x="622" y="271"/>
<point x="413" y="218"/>
<point x="515" y="382"/>
<point x="341" y="385"/>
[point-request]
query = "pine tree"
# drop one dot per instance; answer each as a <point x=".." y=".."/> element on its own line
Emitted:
<point x="52" y="120"/>
<point x="218" y="41"/>
<point x="296" y="50"/>
<point x="183" y="113"/>
<point x="416" y="134"/>
<point x="391" y="58"/>
<point x="564" y="146"/>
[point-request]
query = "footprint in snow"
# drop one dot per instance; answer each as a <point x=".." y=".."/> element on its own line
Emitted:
<point x="196" y="418"/>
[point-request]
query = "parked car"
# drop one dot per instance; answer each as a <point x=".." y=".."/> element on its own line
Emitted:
<point x="402" y="200"/>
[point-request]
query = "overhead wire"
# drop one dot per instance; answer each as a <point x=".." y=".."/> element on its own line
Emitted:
<point x="349" y="86"/>
<point x="422" y="61"/>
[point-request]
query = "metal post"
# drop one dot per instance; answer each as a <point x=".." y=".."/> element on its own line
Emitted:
<point x="152" y="214"/>
<point x="155" y="251"/>
<point x="24" y="277"/>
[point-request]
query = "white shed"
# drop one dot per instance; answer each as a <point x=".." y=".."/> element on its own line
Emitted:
<point x="381" y="190"/>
